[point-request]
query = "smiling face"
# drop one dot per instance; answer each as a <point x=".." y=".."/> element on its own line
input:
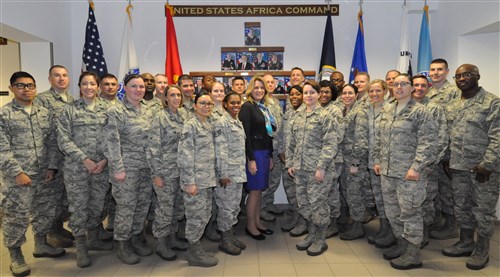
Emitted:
<point x="258" y="91"/>
<point x="421" y="87"/>
<point x="361" y="82"/>
<point x="203" y="106"/>
<point x="438" y="72"/>
<point x="348" y="96"/>
<point x="467" y="78"/>
<point x="59" y="79"/>
<point x="325" y="95"/>
<point x="296" y="77"/>
<point x="402" y="88"/>
<point x="174" y="98"/>
<point x="296" y="98"/>
<point x="238" y="86"/>
<point x="376" y="92"/>
<point x="135" y="90"/>
<point x="161" y="82"/>
<point x="88" y="87"/>
<point x="109" y="87"/>
<point x="233" y="105"/>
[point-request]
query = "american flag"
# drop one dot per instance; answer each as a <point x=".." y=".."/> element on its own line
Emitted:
<point x="93" y="55"/>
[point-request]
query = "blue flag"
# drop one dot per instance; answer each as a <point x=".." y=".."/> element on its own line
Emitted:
<point x="327" y="64"/>
<point x="424" y="45"/>
<point x="359" y="57"/>
<point x="93" y="55"/>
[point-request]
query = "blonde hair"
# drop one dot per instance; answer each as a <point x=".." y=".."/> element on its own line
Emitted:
<point x="377" y="81"/>
<point x="251" y="86"/>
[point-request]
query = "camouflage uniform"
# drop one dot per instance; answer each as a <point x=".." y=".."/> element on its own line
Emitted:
<point x="312" y="145"/>
<point x="441" y="97"/>
<point x="230" y="160"/>
<point x="355" y="150"/>
<point x="373" y="124"/>
<point x="126" y="133"/>
<point x="196" y="161"/>
<point x="27" y="144"/>
<point x="154" y="105"/>
<point x="52" y="101"/>
<point x="80" y="136"/>
<point x="405" y="140"/>
<point x="432" y="189"/>
<point x="163" y="141"/>
<point x="474" y="140"/>
<point x="334" y="196"/>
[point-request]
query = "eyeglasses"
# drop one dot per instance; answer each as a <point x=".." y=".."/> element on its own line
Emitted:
<point x="465" y="75"/>
<point x="402" y="84"/>
<point x="325" y="92"/>
<point x="30" y="86"/>
<point x="206" y="104"/>
<point x="337" y="80"/>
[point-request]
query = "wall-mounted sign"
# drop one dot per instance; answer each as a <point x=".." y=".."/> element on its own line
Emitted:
<point x="253" y="10"/>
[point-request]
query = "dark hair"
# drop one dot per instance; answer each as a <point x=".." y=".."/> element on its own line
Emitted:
<point x="237" y="78"/>
<point x="20" y="74"/>
<point x="229" y="95"/>
<point x="57" y="66"/>
<point x="297" y="68"/>
<point x="108" y="75"/>
<point x="129" y="77"/>
<point x="200" y="95"/>
<point x="182" y="78"/>
<point x="407" y="76"/>
<point x="440" y="60"/>
<point x="421" y="76"/>
<point x="313" y="84"/>
<point x="352" y="86"/>
<point x="297" y="87"/>
<point x="88" y="73"/>
<point x="333" y="88"/>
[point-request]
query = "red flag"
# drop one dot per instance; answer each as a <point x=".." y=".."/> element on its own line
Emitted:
<point x="173" y="68"/>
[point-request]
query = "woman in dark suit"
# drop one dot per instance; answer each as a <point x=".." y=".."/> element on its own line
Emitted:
<point x="259" y="126"/>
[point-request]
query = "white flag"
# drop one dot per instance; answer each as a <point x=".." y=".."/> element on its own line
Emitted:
<point x="404" y="63"/>
<point x="128" y="58"/>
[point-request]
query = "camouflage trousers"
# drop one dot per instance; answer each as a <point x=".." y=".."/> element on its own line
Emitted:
<point x="334" y="195"/>
<point x="444" y="200"/>
<point x="475" y="202"/>
<point x="178" y="212"/>
<point x="368" y="190"/>
<point x="228" y="203"/>
<point x="164" y="211"/>
<point x="312" y="197"/>
<point x="403" y="206"/>
<point x="352" y="186"/>
<point x="86" y="196"/>
<point x="377" y="193"/>
<point x="198" y="209"/>
<point x="60" y="197"/>
<point x="274" y="182"/>
<point x="109" y="209"/>
<point x="19" y="204"/>
<point x="133" y="198"/>
<point x="432" y="190"/>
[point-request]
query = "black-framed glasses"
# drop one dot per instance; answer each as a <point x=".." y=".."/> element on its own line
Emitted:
<point x="206" y="104"/>
<point x="465" y="75"/>
<point x="30" y="86"/>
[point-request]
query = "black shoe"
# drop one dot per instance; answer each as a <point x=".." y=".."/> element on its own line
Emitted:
<point x="266" y="231"/>
<point x="255" y="237"/>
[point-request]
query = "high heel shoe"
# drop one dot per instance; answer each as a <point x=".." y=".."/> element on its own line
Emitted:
<point x="266" y="231"/>
<point x="255" y="237"/>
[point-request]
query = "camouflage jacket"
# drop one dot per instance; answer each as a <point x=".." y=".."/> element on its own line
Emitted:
<point x="229" y="153"/>
<point x="126" y="132"/>
<point x="438" y="113"/>
<point x="27" y="141"/>
<point x="355" y="143"/>
<point x="313" y="140"/>
<point x="196" y="154"/>
<point x="80" y="131"/>
<point x="475" y="132"/>
<point x="405" y="140"/>
<point x="163" y="141"/>
<point x="374" y="116"/>
<point x="339" y="117"/>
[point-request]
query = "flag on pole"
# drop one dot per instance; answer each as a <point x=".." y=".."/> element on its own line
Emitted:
<point x="404" y="63"/>
<point x="173" y="68"/>
<point x="424" y="45"/>
<point x="327" y="63"/>
<point x="359" y="57"/>
<point x="93" y="54"/>
<point x="128" y="58"/>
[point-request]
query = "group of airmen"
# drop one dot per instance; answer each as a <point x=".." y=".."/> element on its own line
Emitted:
<point x="170" y="161"/>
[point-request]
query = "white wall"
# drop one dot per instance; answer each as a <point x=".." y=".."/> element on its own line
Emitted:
<point x="9" y="57"/>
